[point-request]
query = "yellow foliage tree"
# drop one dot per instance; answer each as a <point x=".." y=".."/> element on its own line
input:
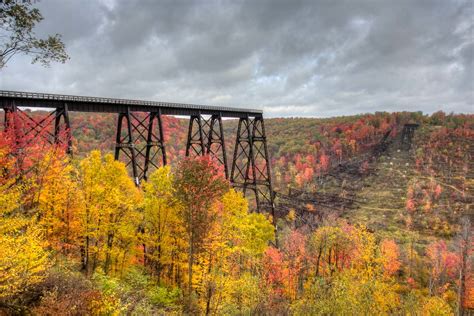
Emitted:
<point x="164" y="237"/>
<point x="352" y="279"/>
<point x="233" y="249"/>
<point x="109" y="217"/>
<point x="58" y="203"/>
<point x="23" y="259"/>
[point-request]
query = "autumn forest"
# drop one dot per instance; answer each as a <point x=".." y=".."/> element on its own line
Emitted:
<point x="362" y="214"/>
<point x="359" y="228"/>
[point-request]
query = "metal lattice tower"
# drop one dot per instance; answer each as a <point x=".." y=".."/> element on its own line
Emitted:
<point x="251" y="163"/>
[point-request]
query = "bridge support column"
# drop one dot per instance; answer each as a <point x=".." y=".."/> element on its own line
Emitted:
<point x="206" y="137"/>
<point x="155" y="143"/>
<point x="126" y="144"/>
<point x="26" y="128"/>
<point x="251" y="163"/>
<point x="195" y="142"/>
<point x="58" y="134"/>
<point x="215" y="142"/>
<point x="141" y="141"/>
<point x="10" y="111"/>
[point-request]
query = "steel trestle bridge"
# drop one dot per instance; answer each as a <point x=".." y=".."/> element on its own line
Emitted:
<point x="141" y="122"/>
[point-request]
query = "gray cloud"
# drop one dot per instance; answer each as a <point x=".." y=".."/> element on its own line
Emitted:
<point x="291" y="58"/>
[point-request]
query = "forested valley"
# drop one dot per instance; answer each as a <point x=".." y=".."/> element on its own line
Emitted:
<point x="366" y="222"/>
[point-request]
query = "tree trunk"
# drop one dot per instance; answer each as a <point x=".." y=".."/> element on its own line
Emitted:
<point x="319" y="259"/>
<point x="190" y="270"/>
<point x="209" y="288"/>
<point x="85" y="252"/>
<point x="110" y="239"/>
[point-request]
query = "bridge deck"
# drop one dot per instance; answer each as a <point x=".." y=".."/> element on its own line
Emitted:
<point x="112" y="105"/>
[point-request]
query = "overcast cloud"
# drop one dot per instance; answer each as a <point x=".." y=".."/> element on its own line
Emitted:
<point x="291" y="58"/>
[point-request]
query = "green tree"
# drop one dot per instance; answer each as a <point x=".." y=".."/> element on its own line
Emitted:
<point x="17" y="21"/>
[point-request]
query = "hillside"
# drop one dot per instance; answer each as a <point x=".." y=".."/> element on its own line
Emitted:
<point x="366" y="221"/>
<point x="300" y="148"/>
<point x="307" y="155"/>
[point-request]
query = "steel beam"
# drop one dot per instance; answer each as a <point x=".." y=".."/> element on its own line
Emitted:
<point x="114" y="105"/>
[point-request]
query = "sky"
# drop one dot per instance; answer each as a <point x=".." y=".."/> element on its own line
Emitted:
<point x="290" y="58"/>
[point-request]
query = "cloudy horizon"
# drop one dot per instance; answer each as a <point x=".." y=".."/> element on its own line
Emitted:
<point x="289" y="58"/>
